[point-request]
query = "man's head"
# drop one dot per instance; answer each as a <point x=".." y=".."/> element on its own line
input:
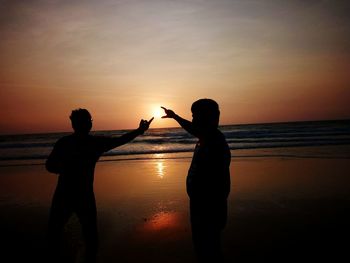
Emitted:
<point x="205" y="113"/>
<point x="81" y="121"/>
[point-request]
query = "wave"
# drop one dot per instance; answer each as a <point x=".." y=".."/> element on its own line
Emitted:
<point x="185" y="150"/>
<point x="176" y="140"/>
<point x="277" y="138"/>
<point x="147" y="158"/>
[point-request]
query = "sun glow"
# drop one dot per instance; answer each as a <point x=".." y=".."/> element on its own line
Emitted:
<point x="157" y="112"/>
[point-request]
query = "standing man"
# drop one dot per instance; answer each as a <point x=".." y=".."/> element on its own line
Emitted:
<point x="74" y="158"/>
<point x="208" y="179"/>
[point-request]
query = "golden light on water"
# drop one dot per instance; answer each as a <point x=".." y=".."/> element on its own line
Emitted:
<point x="161" y="221"/>
<point x="159" y="165"/>
<point x="160" y="169"/>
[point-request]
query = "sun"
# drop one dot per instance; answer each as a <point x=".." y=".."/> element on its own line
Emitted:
<point x="157" y="112"/>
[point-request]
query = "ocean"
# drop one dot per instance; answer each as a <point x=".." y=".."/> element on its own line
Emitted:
<point x="290" y="195"/>
<point x="272" y="139"/>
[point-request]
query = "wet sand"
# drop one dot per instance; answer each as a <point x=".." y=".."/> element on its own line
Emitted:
<point x="280" y="210"/>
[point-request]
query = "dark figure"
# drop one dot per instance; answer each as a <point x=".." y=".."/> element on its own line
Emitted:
<point x="208" y="179"/>
<point x="74" y="158"/>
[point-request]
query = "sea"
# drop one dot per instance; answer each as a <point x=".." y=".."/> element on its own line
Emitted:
<point x="317" y="139"/>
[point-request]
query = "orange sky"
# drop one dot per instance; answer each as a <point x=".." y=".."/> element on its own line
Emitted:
<point x="262" y="61"/>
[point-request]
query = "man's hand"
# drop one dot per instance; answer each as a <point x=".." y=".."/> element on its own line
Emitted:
<point x="144" y="125"/>
<point x="169" y="113"/>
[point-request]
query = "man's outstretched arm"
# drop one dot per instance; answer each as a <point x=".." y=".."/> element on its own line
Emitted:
<point x="185" y="124"/>
<point x="127" y="137"/>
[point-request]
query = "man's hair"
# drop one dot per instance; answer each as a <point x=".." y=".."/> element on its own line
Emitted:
<point x="208" y="109"/>
<point x="81" y="119"/>
<point x="80" y="114"/>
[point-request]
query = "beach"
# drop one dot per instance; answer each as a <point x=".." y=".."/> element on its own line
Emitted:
<point x="280" y="209"/>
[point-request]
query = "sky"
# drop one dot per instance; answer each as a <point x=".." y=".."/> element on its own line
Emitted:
<point x="261" y="60"/>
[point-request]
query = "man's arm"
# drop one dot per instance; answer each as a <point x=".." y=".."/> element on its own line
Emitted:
<point x="185" y="124"/>
<point x="127" y="137"/>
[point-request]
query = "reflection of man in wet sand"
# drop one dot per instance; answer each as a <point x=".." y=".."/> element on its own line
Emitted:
<point x="74" y="158"/>
<point x="208" y="179"/>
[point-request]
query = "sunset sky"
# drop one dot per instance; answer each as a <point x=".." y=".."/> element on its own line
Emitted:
<point x="262" y="61"/>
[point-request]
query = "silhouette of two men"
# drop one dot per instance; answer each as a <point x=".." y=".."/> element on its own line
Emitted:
<point x="208" y="181"/>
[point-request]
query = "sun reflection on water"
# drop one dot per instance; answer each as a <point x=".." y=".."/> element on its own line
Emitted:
<point x="162" y="220"/>
<point x="160" y="169"/>
<point x="160" y="165"/>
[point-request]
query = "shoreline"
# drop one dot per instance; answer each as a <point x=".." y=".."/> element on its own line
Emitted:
<point x="280" y="210"/>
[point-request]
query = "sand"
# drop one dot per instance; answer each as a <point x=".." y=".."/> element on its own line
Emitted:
<point x="280" y="210"/>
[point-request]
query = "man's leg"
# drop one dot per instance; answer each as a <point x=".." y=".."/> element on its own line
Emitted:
<point x="87" y="215"/>
<point x="207" y="222"/>
<point x="60" y="212"/>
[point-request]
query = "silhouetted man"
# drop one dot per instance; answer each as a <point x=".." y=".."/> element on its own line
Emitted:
<point x="208" y="179"/>
<point x="74" y="158"/>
